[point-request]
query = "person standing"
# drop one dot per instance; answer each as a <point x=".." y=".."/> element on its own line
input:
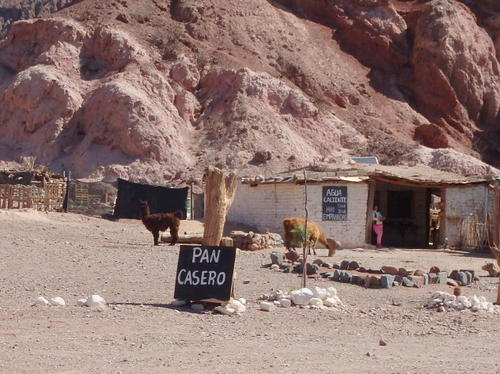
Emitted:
<point x="378" y="225"/>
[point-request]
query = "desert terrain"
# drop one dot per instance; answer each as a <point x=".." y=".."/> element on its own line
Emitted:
<point x="157" y="90"/>
<point x="73" y="256"/>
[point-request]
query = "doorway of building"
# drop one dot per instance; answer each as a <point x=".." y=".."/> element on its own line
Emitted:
<point x="436" y="211"/>
<point x="406" y="209"/>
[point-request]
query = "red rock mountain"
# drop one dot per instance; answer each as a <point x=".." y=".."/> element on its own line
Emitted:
<point x="156" y="90"/>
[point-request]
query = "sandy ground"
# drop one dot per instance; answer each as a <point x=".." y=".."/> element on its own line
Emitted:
<point x="73" y="256"/>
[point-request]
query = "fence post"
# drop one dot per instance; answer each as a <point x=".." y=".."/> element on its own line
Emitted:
<point x="66" y="195"/>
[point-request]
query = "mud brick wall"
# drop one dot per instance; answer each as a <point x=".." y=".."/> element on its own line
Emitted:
<point x="264" y="206"/>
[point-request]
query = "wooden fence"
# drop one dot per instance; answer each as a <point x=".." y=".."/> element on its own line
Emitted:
<point x="49" y="197"/>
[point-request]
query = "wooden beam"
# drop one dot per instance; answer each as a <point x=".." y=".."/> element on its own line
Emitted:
<point x="369" y="209"/>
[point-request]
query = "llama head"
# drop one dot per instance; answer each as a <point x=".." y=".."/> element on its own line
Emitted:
<point x="144" y="208"/>
<point x="333" y="245"/>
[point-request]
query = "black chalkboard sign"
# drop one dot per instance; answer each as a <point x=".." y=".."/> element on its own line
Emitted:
<point x="204" y="272"/>
<point x="334" y="203"/>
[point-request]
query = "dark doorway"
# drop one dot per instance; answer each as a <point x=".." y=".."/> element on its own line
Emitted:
<point x="406" y="212"/>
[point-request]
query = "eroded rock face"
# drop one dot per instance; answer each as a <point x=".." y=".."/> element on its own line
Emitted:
<point x="431" y="136"/>
<point x="14" y="10"/>
<point x="36" y="107"/>
<point x="194" y="83"/>
<point x="45" y="41"/>
<point x="456" y="73"/>
<point x="121" y="116"/>
<point x="372" y="30"/>
<point x="453" y="161"/>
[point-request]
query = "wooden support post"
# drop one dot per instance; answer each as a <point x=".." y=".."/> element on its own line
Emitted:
<point x="305" y="243"/>
<point x="369" y="212"/>
<point x="496" y="215"/>
<point x="498" y="294"/>
<point x="220" y="191"/>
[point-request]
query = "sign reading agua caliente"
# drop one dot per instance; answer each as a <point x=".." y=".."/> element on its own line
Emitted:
<point x="204" y="272"/>
<point x="334" y="203"/>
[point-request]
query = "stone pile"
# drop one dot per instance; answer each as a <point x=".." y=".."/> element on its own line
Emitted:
<point x="462" y="277"/>
<point x="445" y="302"/>
<point x="233" y="306"/>
<point x="385" y="277"/>
<point x="312" y="298"/>
<point x="250" y="241"/>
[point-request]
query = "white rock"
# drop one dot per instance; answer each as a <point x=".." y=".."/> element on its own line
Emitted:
<point x="178" y="303"/>
<point x="316" y="302"/>
<point x="439" y="295"/>
<point x="242" y="300"/>
<point x="449" y="297"/>
<point x="484" y="305"/>
<point x="197" y="307"/>
<point x="275" y="267"/>
<point x="320" y="293"/>
<point x="267" y="306"/>
<point x="237" y="306"/>
<point x="467" y="304"/>
<point x="285" y="303"/>
<point x="462" y="299"/>
<point x="474" y="300"/>
<point x="95" y="301"/>
<point x="57" y="301"/>
<point x="302" y="296"/>
<point x="277" y="302"/>
<point x="224" y="310"/>
<point x="41" y="301"/>
<point x="332" y="301"/>
<point x="81" y="302"/>
<point x="99" y="307"/>
<point x="331" y="291"/>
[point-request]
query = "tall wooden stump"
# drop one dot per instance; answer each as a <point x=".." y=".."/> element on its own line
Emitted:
<point x="220" y="189"/>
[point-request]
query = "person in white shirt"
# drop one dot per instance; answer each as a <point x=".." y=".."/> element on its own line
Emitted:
<point x="378" y="225"/>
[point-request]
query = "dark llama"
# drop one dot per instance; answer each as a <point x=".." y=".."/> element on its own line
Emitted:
<point x="160" y="222"/>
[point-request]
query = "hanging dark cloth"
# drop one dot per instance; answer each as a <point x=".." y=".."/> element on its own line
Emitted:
<point x="160" y="199"/>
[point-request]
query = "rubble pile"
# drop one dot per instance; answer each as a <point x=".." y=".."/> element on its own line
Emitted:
<point x="250" y="241"/>
<point x="445" y="302"/>
<point x="313" y="298"/>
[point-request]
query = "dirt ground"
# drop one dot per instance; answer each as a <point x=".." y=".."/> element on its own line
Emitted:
<point x="73" y="256"/>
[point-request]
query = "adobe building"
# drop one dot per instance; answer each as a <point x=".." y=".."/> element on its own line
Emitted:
<point x="340" y="199"/>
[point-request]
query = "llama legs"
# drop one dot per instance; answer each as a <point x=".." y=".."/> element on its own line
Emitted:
<point x="156" y="236"/>
<point x="174" y="232"/>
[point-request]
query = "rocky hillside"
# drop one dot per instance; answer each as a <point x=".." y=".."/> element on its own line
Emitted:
<point x="13" y="10"/>
<point x="157" y="90"/>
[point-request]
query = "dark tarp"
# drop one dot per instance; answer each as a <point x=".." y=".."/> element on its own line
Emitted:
<point x="160" y="199"/>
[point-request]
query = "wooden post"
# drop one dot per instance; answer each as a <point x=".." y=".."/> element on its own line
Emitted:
<point x="496" y="215"/>
<point x="305" y="243"/>
<point x="220" y="191"/>
<point x="498" y="294"/>
<point x="369" y="211"/>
